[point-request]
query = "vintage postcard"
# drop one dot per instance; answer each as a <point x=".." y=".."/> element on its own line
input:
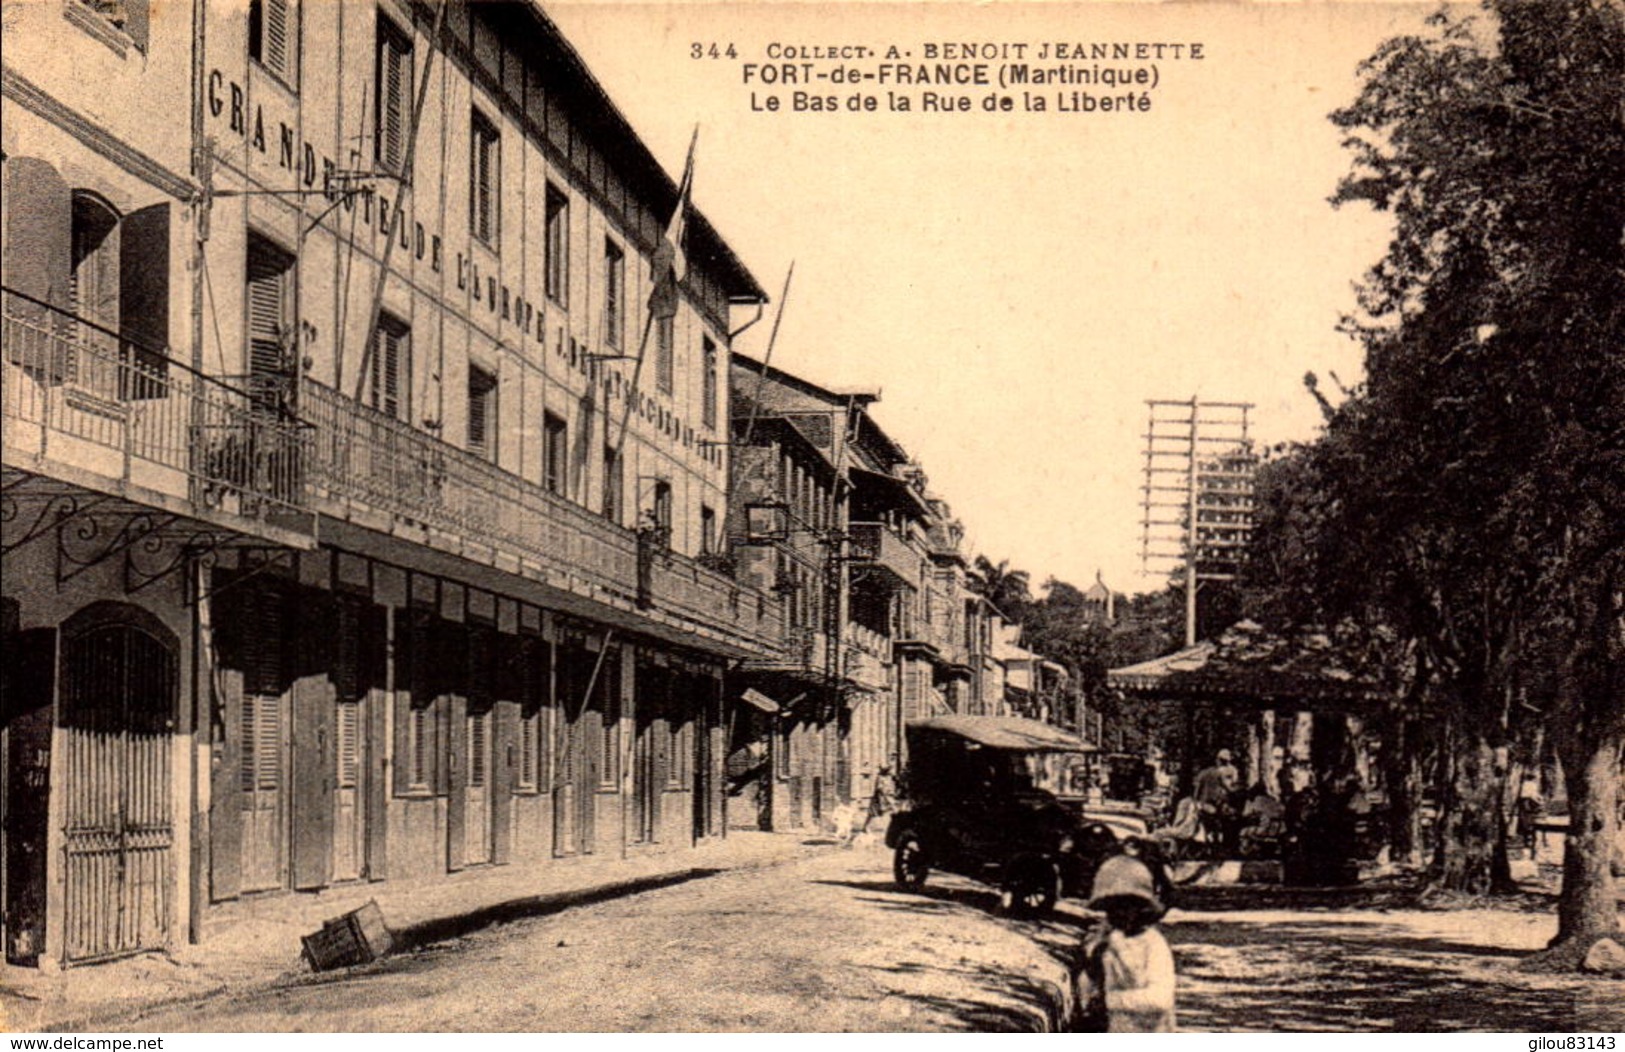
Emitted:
<point x="642" y="517"/>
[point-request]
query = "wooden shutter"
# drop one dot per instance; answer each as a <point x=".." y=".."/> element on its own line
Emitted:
<point x="391" y="343"/>
<point x="276" y="36"/>
<point x="378" y="725"/>
<point x="482" y="187"/>
<point x="225" y="789"/>
<point x="312" y="788"/>
<point x="347" y="730"/>
<point x="406" y="696"/>
<point x="614" y="274"/>
<point x="665" y="353"/>
<point x="449" y="671"/>
<point x="504" y="756"/>
<point x="481" y="391"/>
<point x="260" y="764"/>
<point x="38" y="244"/>
<point x="144" y="298"/>
<point x="267" y="309"/>
<point x="456" y="722"/>
<point x="556" y="245"/>
<point x="479" y="751"/>
<point x="485" y="148"/>
<point x="347" y="651"/>
<point x="394" y="87"/>
<point x="260" y="639"/>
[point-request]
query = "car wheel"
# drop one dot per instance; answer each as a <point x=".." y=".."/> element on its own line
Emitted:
<point x="1032" y="889"/>
<point x="910" y="865"/>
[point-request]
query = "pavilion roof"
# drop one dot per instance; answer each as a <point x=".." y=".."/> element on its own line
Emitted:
<point x="1246" y="662"/>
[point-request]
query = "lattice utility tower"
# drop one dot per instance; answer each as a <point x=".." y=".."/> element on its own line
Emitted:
<point x="1199" y="469"/>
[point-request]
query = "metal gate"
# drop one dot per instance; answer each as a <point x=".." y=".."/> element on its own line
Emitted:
<point x="118" y="704"/>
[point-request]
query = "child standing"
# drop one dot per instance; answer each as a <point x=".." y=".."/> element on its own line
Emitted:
<point x="1127" y="982"/>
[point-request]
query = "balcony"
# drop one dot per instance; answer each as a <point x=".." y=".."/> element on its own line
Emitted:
<point x="876" y="547"/>
<point x="805" y="654"/>
<point x="375" y="471"/>
<point x="83" y="407"/>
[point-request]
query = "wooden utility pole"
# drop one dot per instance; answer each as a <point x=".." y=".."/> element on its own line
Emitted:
<point x="1198" y="493"/>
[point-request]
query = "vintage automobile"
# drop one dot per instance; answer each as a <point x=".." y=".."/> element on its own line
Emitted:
<point x="983" y="803"/>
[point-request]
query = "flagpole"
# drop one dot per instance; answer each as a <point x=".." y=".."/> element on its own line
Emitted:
<point x="767" y="359"/>
<point x="637" y="371"/>
<point x="398" y="215"/>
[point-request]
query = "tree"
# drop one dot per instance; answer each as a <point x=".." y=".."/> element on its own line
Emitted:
<point x="1488" y="444"/>
<point x="1007" y="588"/>
<point x="1305" y="570"/>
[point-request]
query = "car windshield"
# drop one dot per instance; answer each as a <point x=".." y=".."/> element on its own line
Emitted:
<point x="1061" y="773"/>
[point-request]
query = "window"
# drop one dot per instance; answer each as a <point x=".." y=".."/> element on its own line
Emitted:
<point x="782" y="737"/>
<point x="662" y="508"/>
<point x="534" y="667"/>
<point x="553" y="453"/>
<point x="525" y="777"/>
<point x="270" y="295"/>
<point x="609" y="704"/>
<point x="708" y="530"/>
<point x="389" y="369"/>
<point x="271" y="38"/>
<point x="93" y="283"/>
<point x="708" y="408"/>
<point x="261" y="764"/>
<point x="347" y="732"/>
<point x="614" y="292"/>
<point x="420" y="731"/>
<point x="613" y="483"/>
<point x="482" y="412"/>
<point x="665" y="365"/>
<point x="556" y="266"/>
<point x="479" y="748"/>
<point x="394" y="93"/>
<point x="430" y="658"/>
<point x="485" y="181"/>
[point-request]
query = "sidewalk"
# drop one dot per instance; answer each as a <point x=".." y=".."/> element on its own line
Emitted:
<point x="255" y="942"/>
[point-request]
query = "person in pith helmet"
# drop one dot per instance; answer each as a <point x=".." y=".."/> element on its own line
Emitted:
<point x="1126" y="985"/>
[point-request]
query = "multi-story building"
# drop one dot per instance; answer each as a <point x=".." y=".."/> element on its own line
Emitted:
<point x="1034" y="686"/>
<point x="791" y="531"/>
<point x="361" y="472"/>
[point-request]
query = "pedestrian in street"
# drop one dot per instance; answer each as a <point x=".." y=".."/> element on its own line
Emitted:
<point x="1213" y="793"/>
<point x="1126" y="985"/>
<point x="1530" y="807"/>
<point x="882" y="801"/>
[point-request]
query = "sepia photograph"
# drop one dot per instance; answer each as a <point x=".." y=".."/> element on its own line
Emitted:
<point x="909" y="517"/>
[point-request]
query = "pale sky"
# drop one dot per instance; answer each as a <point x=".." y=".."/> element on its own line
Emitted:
<point x="1016" y="285"/>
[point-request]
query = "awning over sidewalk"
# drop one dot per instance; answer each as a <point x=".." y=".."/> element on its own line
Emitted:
<point x="1004" y="732"/>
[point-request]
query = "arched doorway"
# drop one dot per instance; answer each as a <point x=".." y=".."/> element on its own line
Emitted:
<point x="119" y="690"/>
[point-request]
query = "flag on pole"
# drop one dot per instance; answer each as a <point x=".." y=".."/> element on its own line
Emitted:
<point x="670" y="264"/>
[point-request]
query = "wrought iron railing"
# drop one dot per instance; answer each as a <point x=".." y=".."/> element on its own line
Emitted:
<point x="367" y="459"/>
<point x="78" y="393"/>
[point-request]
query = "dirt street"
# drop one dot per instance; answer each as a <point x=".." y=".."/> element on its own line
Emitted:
<point x="827" y="943"/>
<point x="822" y="944"/>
